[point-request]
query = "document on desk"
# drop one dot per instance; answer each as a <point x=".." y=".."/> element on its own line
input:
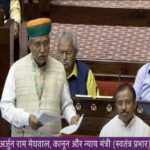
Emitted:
<point x="107" y="97"/>
<point x="47" y="118"/>
<point x="72" y="128"/>
<point x="84" y="96"/>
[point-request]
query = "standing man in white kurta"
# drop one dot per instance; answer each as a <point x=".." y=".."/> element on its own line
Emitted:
<point x="126" y="123"/>
<point x="36" y="83"/>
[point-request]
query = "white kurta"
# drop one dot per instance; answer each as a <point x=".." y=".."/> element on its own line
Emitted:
<point x="17" y="116"/>
<point x="117" y="128"/>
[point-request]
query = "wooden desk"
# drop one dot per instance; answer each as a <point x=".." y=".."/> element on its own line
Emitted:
<point x="97" y="113"/>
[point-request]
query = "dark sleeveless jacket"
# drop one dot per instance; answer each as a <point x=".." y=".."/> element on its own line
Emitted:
<point x="77" y="85"/>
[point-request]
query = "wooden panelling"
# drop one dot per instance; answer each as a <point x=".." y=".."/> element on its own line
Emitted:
<point x="86" y="15"/>
<point x="1" y="18"/>
<point x="100" y="16"/>
<point x="122" y="71"/>
<point x="7" y="58"/>
<point x="94" y="120"/>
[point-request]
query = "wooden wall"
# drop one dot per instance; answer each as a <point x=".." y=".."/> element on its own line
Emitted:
<point x="85" y="15"/>
<point x="7" y="58"/>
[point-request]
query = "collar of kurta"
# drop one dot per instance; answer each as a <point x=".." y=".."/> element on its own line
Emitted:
<point x="74" y="72"/>
<point x="36" y="65"/>
<point x="123" y="124"/>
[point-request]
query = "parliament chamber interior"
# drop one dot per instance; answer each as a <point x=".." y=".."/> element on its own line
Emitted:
<point x="113" y="39"/>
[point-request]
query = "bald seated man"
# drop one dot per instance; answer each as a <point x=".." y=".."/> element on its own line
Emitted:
<point x="80" y="77"/>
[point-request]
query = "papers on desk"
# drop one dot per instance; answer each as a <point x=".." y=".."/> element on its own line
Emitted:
<point x="86" y="96"/>
<point x="108" y="97"/>
<point x="90" y="96"/>
<point x="46" y="118"/>
<point x="72" y="128"/>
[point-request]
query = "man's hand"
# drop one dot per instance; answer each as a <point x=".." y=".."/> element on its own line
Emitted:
<point x="74" y="119"/>
<point x="34" y="124"/>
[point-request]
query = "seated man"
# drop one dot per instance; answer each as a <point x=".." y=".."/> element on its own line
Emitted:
<point x="12" y="10"/>
<point x="142" y="83"/>
<point x="80" y="77"/>
<point x="126" y="123"/>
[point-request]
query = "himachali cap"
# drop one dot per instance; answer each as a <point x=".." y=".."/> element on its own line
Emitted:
<point x="39" y="27"/>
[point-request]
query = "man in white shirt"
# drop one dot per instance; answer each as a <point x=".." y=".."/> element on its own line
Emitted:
<point x="37" y="83"/>
<point x="126" y="123"/>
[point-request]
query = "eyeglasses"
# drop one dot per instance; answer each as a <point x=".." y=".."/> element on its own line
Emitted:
<point x="67" y="52"/>
<point x="38" y="44"/>
<point x="126" y="103"/>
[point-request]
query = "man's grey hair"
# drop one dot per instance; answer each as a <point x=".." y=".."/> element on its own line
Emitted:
<point x="66" y="33"/>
